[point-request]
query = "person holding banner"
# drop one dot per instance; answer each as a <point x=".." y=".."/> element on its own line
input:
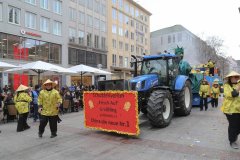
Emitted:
<point x="49" y="101"/>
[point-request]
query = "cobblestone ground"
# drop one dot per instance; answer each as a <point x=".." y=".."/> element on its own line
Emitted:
<point x="199" y="136"/>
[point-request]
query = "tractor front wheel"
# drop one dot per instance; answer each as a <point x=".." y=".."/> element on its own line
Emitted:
<point x="160" y="108"/>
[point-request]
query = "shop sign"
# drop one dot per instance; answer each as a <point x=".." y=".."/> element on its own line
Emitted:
<point x="22" y="31"/>
<point x="112" y="111"/>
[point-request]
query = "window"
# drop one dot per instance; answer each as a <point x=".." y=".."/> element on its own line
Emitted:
<point x="31" y="1"/>
<point x="30" y="20"/>
<point x="120" y="3"/>
<point x="132" y="35"/>
<point x="120" y="45"/>
<point x="44" y="4"/>
<point x="114" y="14"/>
<point x="114" y="43"/>
<point x="81" y="17"/>
<point x="169" y="39"/>
<point x="57" y="6"/>
<point x="1" y="11"/>
<point x="120" y="31"/>
<point x="96" y="23"/>
<point x="90" y="4"/>
<point x="81" y="37"/>
<point x="13" y="15"/>
<point x="114" y="2"/>
<point x="103" y="26"/>
<point x="96" y="41"/>
<point x="126" y="33"/>
<point x="89" y="20"/>
<point x="179" y="37"/>
<point x="96" y="6"/>
<point x="89" y="40"/>
<point x="136" y="13"/>
<point x="126" y="62"/>
<point x="103" y="9"/>
<point x="126" y="20"/>
<point x="114" y="29"/>
<point x="173" y="38"/>
<point x="44" y="24"/>
<point x="81" y="2"/>
<point x="126" y="8"/>
<point x="126" y="47"/>
<point x="57" y="28"/>
<point x="72" y="14"/>
<point x="132" y="11"/>
<point x="114" y="59"/>
<point x="103" y="43"/>
<point x="132" y="48"/>
<point x="120" y="61"/>
<point x="72" y="35"/>
<point x="120" y="17"/>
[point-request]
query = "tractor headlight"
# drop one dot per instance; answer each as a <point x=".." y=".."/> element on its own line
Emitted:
<point x="138" y="85"/>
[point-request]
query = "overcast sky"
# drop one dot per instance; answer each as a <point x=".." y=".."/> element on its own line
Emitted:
<point x="203" y="18"/>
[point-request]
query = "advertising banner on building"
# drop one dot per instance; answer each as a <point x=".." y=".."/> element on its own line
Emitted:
<point x="112" y="111"/>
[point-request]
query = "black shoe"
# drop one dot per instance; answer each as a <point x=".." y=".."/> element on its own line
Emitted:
<point x="201" y="109"/>
<point x="40" y="135"/>
<point x="27" y="127"/>
<point x="53" y="135"/>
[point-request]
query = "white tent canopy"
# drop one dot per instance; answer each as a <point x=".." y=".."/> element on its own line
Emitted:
<point x="83" y="69"/>
<point x="39" y="67"/>
<point x="5" y="66"/>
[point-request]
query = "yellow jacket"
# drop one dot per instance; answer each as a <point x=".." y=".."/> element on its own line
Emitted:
<point x="230" y="104"/>
<point x="22" y="101"/>
<point x="49" y="100"/>
<point x="210" y="64"/>
<point x="215" y="91"/>
<point x="204" y="90"/>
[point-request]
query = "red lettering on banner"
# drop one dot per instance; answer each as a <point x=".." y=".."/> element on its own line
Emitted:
<point x="112" y="111"/>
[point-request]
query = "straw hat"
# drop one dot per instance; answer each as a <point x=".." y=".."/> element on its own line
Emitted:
<point x="47" y="82"/>
<point x="231" y="74"/>
<point x="21" y="88"/>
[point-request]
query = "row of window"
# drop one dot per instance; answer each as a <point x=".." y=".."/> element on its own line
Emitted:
<point x="124" y="19"/>
<point x="31" y="20"/>
<point x="55" y="5"/>
<point x="124" y="5"/>
<point x="123" y="61"/>
<point x="90" y="20"/>
<point x="95" y="5"/>
<point x="139" y="50"/>
<point x="78" y="56"/>
<point x="16" y="47"/>
<point x="81" y="39"/>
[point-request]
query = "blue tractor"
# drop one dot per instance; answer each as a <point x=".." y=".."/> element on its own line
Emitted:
<point x="163" y="88"/>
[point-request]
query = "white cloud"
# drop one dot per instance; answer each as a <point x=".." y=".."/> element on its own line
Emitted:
<point x="211" y="17"/>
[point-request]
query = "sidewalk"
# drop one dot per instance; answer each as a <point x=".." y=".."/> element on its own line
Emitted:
<point x="202" y="135"/>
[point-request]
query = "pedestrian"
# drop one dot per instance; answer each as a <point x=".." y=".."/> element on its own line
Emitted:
<point x="35" y="94"/>
<point x="215" y="91"/>
<point x="231" y="107"/>
<point x="204" y="93"/>
<point x="211" y="66"/>
<point x="22" y="100"/>
<point x="49" y="101"/>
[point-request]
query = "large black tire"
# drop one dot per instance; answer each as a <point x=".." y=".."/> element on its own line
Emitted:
<point x="183" y="100"/>
<point x="160" y="108"/>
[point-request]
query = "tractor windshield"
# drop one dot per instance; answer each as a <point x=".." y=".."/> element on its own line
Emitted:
<point x="156" y="66"/>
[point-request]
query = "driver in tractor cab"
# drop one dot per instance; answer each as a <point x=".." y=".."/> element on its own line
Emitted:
<point x="149" y="68"/>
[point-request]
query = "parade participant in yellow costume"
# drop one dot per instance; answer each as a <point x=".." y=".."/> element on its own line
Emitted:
<point x="49" y="101"/>
<point x="215" y="91"/>
<point x="204" y="93"/>
<point x="231" y="107"/>
<point x="22" y="100"/>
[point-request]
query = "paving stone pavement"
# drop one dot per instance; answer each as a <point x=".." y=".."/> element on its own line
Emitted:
<point x="199" y="136"/>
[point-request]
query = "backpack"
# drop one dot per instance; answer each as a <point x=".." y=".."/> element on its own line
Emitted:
<point x="35" y="97"/>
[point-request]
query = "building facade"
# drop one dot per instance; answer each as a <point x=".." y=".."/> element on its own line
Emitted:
<point x="128" y="34"/>
<point x="167" y="39"/>
<point x="31" y="30"/>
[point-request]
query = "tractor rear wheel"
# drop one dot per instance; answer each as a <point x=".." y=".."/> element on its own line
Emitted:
<point x="160" y="108"/>
<point x="183" y="100"/>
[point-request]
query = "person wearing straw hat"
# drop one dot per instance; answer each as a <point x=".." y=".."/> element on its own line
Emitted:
<point x="49" y="101"/>
<point x="231" y="107"/>
<point x="22" y="100"/>
<point x="215" y="92"/>
<point x="204" y="93"/>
